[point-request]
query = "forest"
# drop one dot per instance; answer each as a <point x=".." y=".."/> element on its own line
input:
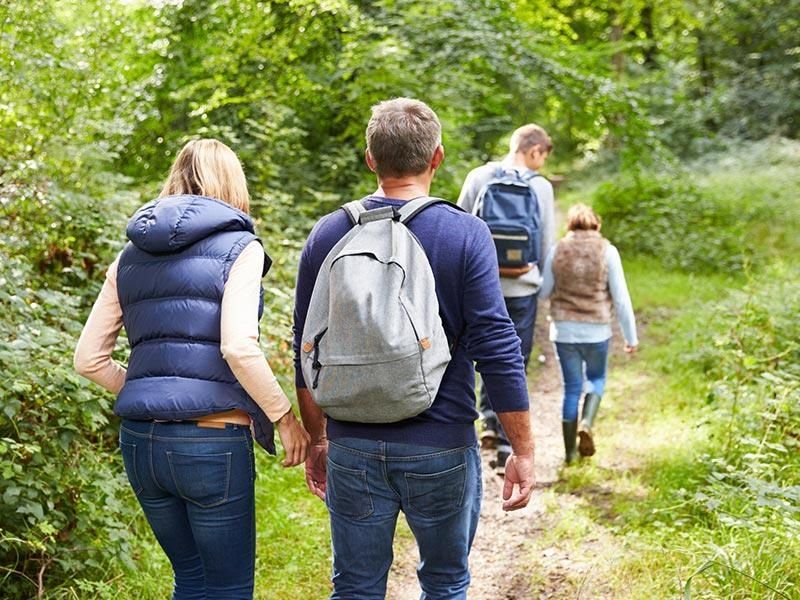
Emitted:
<point x="678" y="121"/>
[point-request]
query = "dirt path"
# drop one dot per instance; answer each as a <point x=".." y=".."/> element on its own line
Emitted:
<point x="516" y="556"/>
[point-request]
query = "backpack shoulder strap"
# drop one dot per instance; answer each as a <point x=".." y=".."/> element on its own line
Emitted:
<point x="353" y="211"/>
<point x="531" y="175"/>
<point x="413" y="207"/>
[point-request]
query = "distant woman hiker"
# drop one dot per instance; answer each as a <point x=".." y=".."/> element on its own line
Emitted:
<point x="187" y="288"/>
<point x="583" y="277"/>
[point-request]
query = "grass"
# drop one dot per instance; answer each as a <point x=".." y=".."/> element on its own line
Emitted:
<point x="656" y="432"/>
<point x="293" y="539"/>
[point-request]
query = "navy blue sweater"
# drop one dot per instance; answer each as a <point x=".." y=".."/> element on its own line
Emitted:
<point x="464" y="262"/>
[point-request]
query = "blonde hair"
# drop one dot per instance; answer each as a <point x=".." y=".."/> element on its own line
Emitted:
<point x="582" y="217"/>
<point x="207" y="167"/>
<point x="528" y="136"/>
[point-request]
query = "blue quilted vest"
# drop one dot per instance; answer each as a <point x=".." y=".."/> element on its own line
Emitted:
<point x="170" y="281"/>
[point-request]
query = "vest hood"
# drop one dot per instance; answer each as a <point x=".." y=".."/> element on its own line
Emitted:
<point x="170" y="224"/>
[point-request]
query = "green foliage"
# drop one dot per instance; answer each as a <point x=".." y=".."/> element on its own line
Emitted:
<point x="707" y="504"/>
<point x="666" y="216"/>
<point x="63" y="507"/>
<point x="747" y="60"/>
<point x="66" y="110"/>
<point x="746" y="503"/>
<point x="718" y="214"/>
<point x="293" y="89"/>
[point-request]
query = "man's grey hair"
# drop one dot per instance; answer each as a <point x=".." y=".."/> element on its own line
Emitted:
<point x="402" y="136"/>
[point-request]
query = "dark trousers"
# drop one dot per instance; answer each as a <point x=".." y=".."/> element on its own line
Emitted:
<point x="523" y="313"/>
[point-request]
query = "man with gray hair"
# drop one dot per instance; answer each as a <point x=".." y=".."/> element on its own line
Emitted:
<point x="528" y="150"/>
<point x="428" y="466"/>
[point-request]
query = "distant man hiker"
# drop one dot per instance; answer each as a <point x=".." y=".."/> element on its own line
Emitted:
<point x="187" y="288"/>
<point x="517" y="204"/>
<point x="378" y="313"/>
<point x="583" y="277"/>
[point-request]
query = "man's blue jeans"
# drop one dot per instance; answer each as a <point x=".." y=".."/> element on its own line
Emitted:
<point x="523" y="313"/>
<point x="439" y="490"/>
<point x="572" y="358"/>
<point x="196" y="487"/>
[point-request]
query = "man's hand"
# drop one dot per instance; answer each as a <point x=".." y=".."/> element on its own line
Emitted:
<point x="515" y="271"/>
<point x="316" y="469"/>
<point x="519" y="472"/>
<point x="294" y="438"/>
<point x="316" y="463"/>
<point x="630" y="349"/>
<point x="519" y="466"/>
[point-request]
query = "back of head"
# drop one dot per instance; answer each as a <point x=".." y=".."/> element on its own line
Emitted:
<point x="528" y="136"/>
<point x="207" y="167"/>
<point x="402" y="136"/>
<point x="581" y="217"/>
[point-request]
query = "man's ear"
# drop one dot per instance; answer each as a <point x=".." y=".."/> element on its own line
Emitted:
<point x="370" y="161"/>
<point x="438" y="157"/>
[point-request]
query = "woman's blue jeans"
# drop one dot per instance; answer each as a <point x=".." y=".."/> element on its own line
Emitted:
<point x="370" y="482"/>
<point x="196" y="487"/>
<point x="572" y="358"/>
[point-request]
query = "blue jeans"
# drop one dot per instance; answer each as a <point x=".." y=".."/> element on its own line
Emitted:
<point x="369" y="483"/>
<point x="572" y="358"/>
<point x="523" y="313"/>
<point x="196" y="487"/>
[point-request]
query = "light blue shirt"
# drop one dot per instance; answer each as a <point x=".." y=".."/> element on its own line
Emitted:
<point x="578" y="332"/>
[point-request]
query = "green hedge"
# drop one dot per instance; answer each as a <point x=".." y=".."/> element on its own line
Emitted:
<point x="665" y="215"/>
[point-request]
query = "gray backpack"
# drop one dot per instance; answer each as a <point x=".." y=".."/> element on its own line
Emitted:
<point x="374" y="350"/>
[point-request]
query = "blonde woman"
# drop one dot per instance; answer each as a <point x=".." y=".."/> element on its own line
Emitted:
<point x="187" y="288"/>
<point x="584" y="279"/>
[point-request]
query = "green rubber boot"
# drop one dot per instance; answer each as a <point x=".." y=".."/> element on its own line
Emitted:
<point x="570" y="428"/>
<point x="591" y="402"/>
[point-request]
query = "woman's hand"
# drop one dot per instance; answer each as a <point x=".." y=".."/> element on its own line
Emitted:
<point x="628" y="349"/>
<point x="294" y="438"/>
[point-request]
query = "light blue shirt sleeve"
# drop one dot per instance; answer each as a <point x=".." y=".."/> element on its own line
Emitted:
<point x="469" y="191"/>
<point x="548" y="282"/>
<point x="544" y="194"/>
<point x="619" y="294"/>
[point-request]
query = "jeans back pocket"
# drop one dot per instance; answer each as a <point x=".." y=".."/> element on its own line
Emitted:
<point x="437" y="494"/>
<point x="347" y="492"/>
<point x="203" y="479"/>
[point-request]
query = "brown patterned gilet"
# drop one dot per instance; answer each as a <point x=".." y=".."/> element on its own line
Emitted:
<point x="580" y="270"/>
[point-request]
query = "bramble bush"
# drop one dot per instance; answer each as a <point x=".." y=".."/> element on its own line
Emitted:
<point x="64" y="503"/>
<point x="67" y="110"/>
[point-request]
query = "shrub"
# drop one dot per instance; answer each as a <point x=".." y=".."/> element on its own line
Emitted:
<point x="63" y="495"/>
<point x="666" y="216"/>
